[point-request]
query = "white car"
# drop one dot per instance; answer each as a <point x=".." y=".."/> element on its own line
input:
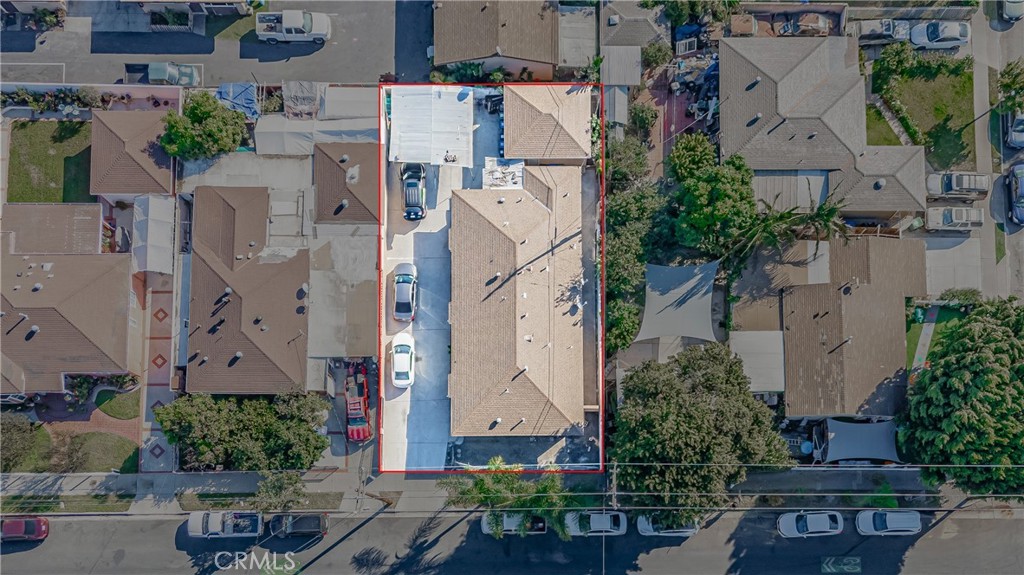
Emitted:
<point x="810" y="524"/>
<point x="403" y="361"/>
<point x="512" y="524"/>
<point x="596" y="523"/>
<point x="885" y="522"/>
<point x="940" y="35"/>
<point x="1013" y="10"/>
<point x="1015" y="134"/>
<point x="650" y="527"/>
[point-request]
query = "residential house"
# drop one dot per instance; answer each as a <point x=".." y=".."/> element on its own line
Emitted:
<point x="521" y="37"/>
<point x="626" y="23"/>
<point x="127" y="159"/>
<point x="518" y="359"/>
<point x="30" y="6"/>
<point x="208" y="7"/>
<point x="69" y="308"/>
<point x="548" y="124"/>
<point x="794" y="108"/>
<point x="824" y="324"/>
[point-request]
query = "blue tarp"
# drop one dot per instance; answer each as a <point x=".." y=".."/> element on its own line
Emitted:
<point x="241" y="97"/>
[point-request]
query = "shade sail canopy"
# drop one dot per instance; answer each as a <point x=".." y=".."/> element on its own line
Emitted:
<point x="678" y="302"/>
<point x="432" y="125"/>
<point x="859" y="441"/>
<point x="153" y="234"/>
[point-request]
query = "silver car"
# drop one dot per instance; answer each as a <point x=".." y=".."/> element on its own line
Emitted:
<point x="1015" y="133"/>
<point x="405" y="292"/>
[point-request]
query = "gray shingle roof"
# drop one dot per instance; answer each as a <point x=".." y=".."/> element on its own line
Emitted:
<point x="636" y="26"/>
<point x="547" y="122"/>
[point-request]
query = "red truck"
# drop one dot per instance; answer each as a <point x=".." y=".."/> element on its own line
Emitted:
<point x="357" y="403"/>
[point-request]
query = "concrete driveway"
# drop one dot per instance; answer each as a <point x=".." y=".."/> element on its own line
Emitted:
<point x="952" y="262"/>
<point x="416" y="426"/>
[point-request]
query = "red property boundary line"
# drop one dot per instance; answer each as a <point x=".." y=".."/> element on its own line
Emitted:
<point x="381" y="379"/>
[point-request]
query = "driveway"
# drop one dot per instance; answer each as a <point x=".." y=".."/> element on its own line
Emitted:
<point x="416" y="426"/>
<point x="952" y="262"/>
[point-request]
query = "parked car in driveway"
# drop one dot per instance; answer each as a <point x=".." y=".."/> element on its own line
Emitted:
<point x="357" y="404"/>
<point x="1015" y="131"/>
<point x="25" y="528"/>
<point x="512" y="524"/>
<point x="293" y="26"/>
<point x="403" y="361"/>
<point x="888" y="522"/>
<point x="1012" y="10"/>
<point x="414" y="191"/>
<point x="405" y="292"/>
<point x="1015" y="193"/>
<point x="954" y="219"/>
<point x="963" y="186"/>
<point x="940" y="35"/>
<point x="810" y="524"/>
<point x="596" y="523"/>
<point x="649" y="526"/>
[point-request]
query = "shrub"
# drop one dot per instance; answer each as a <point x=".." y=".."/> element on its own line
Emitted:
<point x="204" y="129"/>
<point x="643" y="117"/>
<point x="655" y="54"/>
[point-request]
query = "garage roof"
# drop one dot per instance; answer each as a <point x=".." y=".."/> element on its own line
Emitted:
<point x="430" y="123"/>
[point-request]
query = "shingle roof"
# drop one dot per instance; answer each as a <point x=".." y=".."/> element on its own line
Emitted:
<point x="547" y="122"/>
<point x="636" y="26"/>
<point x="354" y="180"/>
<point x="54" y="228"/>
<point x="264" y="316"/>
<point x="533" y="345"/>
<point x="621" y="65"/>
<point x="810" y="97"/>
<point x="126" y="154"/>
<point x="470" y="30"/>
<point x="81" y="310"/>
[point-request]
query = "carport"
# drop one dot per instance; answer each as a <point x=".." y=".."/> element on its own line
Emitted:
<point x="840" y="441"/>
<point x="432" y="125"/>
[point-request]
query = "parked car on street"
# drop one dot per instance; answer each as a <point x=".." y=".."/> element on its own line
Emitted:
<point x="596" y="523"/>
<point x="403" y="361"/>
<point x="300" y="524"/>
<point x="1015" y="193"/>
<point x="963" y="186"/>
<point x="163" y="73"/>
<point x="954" y="219"/>
<point x="1013" y="10"/>
<point x="649" y="526"/>
<point x="810" y="524"/>
<point x="940" y="35"/>
<point x="880" y="32"/>
<point x="512" y="524"/>
<point x="293" y="26"/>
<point x="888" y="522"/>
<point x="405" y="292"/>
<point x="225" y="524"/>
<point x="1015" y="131"/>
<point x="414" y="191"/>
<point x="24" y="528"/>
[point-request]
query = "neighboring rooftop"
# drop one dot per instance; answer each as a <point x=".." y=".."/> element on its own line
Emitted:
<point x="470" y="30"/>
<point x="625" y="23"/>
<point x="797" y="107"/>
<point x="347" y="186"/>
<point x="516" y="308"/>
<point x="547" y="122"/>
<point x="54" y="228"/>
<point x="621" y="65"/>
<point x="251" y="339"/>
<point x="126" y="154"/>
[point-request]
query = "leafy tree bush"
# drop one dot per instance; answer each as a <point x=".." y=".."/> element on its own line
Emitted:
<point x="205" y="129"/>
<point x="1011" y="85"/>
<point x="622" y="323"/>
<point x="967" y="408"/>
<point x="962" y="296"/>
<point x="690" y="154"/>
<point x="643" y="117"/>
<point x="629" y="216"/>
<point x="16" y="433"/>
<point x="895" y="60"/>
<point x="655" y="55"/>
<point x="627" y="162"/>
<point x="716" y="206"/>
<point x="280" y="491"/>
<point x="698" y="409"/>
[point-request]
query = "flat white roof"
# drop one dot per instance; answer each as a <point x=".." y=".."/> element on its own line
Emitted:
<point x="432" y="125"/>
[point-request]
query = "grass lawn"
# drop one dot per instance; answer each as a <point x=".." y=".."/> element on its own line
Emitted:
<point x="244" y="501"/>
<point x="879" y="132"/>
<point x="1000" y="242"/>
<point x="947" y="318"/>
<point x="118" y="405"/>
<point x="66" y="503"/>
<point x="913" y="336"/>
<point x="49" y="162"/>
<point x="943" y="108"/>
<point x="106" y="451"/>
<point x="38" y="458"/>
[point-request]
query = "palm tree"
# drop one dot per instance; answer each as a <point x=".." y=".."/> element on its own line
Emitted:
<point x="824" y="223"/>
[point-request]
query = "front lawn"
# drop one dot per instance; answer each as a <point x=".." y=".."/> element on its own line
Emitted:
<point x="118" y="405"/>
<point x="879" y="132"/>
<point x="106" y="451"/>
<point x="942" y="106"/>
<point x="947" y="318"/>
<point x="67" y="503"/>
<point x="37" y="460"/>
<point x="49" y="162"/>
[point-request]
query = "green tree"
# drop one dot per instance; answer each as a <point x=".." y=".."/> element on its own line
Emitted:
<point x="280" y="491"/>
<point x="503" y="487"/>
<point x="695" y="409"/>
<point x="643" y="117"/>
<point x="967" y="408"/>
<point x="716" y="206"/>
<point x="655" y="55"/>
<point x="627" y="162"/>
<point x="201" y="428"/>
<point x="628" y="216"/>
<point x="16" y="439"/>
<point x="622" y="323"/>
<point x="691" y="154"/>
<point x="962" y="296"/>
<point x="204" y="129"/>
<point x="1011" y="85"/>
<point x="895" y="60"/>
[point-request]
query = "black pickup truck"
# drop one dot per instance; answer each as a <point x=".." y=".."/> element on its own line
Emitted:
<point x="299" y="525"/>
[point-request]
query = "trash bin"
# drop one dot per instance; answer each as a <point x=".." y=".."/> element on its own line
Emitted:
<point x="918" y="315"/>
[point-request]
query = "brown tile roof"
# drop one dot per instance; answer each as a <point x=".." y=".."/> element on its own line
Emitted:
<point x="264" y="317"/>
<point x="82" y="312"/>
<point x="547" y="122"/>
<point x="533" y="345"/>
<point x="469" y="30"/>
<point x="126" y="154"/>
<point x="844" y="338"/>
<point x="54" y="228"/>
<point x="355" y="180"/>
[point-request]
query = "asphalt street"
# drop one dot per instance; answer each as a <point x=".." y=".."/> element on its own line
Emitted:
<point x="453" y="543"/>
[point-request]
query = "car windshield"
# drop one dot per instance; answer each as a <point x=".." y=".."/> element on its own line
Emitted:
<point x="403" y="307"/>
<point x="833" y="522"/>
<point x="933" y="32"/>
<point x="879" y="522"/>
<point x="1018" y="125"/>
<point x="1018" y="202"/>
<point x="403" y="279"/>
<point x="402" y="375"/>
<point x="307" y="22"/>
<point x="801" y="524"/>
<point x="401" y="349"/>
<point x="947" y="217"/>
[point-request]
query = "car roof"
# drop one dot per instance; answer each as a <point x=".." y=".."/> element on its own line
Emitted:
<point x="902" y="519"/>
<point x="818" y="521"/>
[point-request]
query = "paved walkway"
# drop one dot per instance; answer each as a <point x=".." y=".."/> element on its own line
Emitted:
<point x="927" y="330"/>
<point x="156" y="454"/>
